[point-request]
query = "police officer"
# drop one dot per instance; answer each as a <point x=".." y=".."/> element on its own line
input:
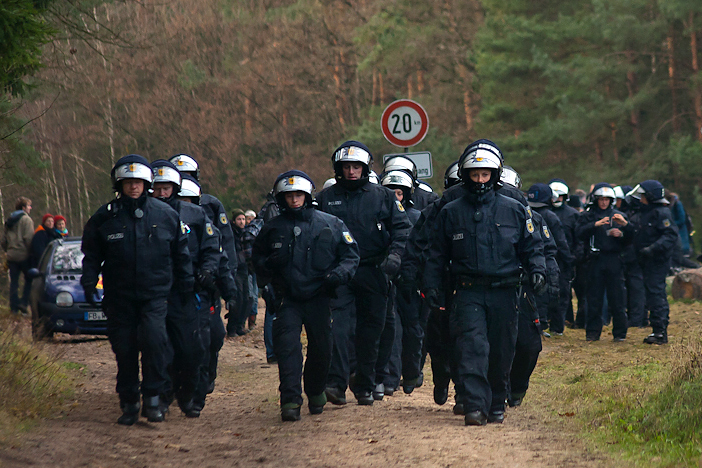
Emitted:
<point x="552" y="316"/>
<point x="569" y="218"/>
<point x="182" y="320"/>
<point x="654" y="240"/>
<point x="437" y="336"/>
<point x="605" y="231"/>
<point x="379" y="224"/>
<point x="306" y="255"/>
<point x="486" y="240"/>
<point x="137" y="243"/>
<point x="636" y="312"/>
<point x="215" y="211"/>
<point x="212" y="331"/>
<point x="424" y="194"/>
<point x="528" y="345"/>
<point x="403" y="338"/>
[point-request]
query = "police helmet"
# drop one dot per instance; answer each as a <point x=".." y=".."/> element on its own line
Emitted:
<point x="511" y="177"/>
<point x="165" y="171"/>
<point x="451" y="175"/>
<point x="603" y="190"/>
<point x="654" y="191"/>
<point x="328" y="183"/>
<point x="293" y="181"/>
<point x="559" y="188"/>
<point x="539" y="195"/>
<point x="399" y="162"/>
<point x="373" y="178"/>
<point x="421" y="185"/>
<point x="187" y="164"/>
<point x="480" y="158"/>
<point x="352" y="151"/>
<point x="131" y="166"/>
<point x="190" y="188"/>
<point x="619" y="192"/>
<point x="399" y="180"/>
<point x="481" y="144"/>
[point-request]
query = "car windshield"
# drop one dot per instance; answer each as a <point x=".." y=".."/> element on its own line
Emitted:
<point x="67" y="259"/>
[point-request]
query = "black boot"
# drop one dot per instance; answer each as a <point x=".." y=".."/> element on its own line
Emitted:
<point x="188" y="408"/>
<point x="152" y="410"/>
<point x="290" y="412"/>
<point x="476" y="418"/>
<point x="656" y="338"/>
<point x="130" y="413"/>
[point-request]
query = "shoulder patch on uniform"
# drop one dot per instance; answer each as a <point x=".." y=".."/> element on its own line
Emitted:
<point x="531" y="215"/>
<point x="347" y="237"/>
<point x="666" y="223"/>
<point x="399" y="206"/>
<point x="223" y="218"/>
<point x="184" y="228"/>
<point x="208" y="228"/>
<point x="530" y="226"/>
<point x="546" y="233"/>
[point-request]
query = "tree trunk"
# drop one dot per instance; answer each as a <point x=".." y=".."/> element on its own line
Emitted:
<point x="374" y="92"/>
<point x="382" y="88"/>
<point x="687" y="285"/>
<point x="696" y="90"/>
<point x="632" y="88"/>
<point x="420" y="82"/>
<point x="672" y="78"/>
<point x="410" y="92"/>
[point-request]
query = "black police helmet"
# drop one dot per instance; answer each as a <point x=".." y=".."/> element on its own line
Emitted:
<point x="451" y="176"/>
<point x="654" y="191"/>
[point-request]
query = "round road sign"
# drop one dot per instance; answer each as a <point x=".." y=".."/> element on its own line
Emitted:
<point x="404" y="123"/>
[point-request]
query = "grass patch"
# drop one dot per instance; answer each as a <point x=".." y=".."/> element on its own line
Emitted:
<point x="642" y="403"/>
<point x="33" y="385"/>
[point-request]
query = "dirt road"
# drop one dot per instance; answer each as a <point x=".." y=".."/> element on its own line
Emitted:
<point x="241" y="426"/>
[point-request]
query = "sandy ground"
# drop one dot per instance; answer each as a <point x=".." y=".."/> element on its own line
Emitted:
<point x="241" y="426"/>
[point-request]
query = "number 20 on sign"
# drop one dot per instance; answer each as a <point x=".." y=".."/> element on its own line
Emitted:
<point x="404" y="123"/>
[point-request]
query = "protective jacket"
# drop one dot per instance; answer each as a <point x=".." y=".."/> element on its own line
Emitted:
<point x="489" y="236"/>
<point x="140" y="248"/>
<point x="654" y="228"/>
<point x="377" y="221"/>
<point x="297" y="250"/>
<point x="595" y="237"/>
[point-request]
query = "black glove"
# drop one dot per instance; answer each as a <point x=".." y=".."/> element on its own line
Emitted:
<point x="90" y="292"/>
<point x="206" y="280"/>
<point x="646" y="252"/>
<point x="538" y="282"/>
<point x="391" y="265"/>
<point x="432" y="298"/>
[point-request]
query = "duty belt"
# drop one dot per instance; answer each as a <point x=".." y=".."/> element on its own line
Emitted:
<point x="490" y="282"/>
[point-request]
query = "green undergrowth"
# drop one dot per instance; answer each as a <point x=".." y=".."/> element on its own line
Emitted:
<point x="640" y="403"/>
<point x="33" y="385"/>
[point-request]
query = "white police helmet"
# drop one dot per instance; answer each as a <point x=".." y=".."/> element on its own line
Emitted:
<point x="373" y="178"/>
<point x="131" y="166"/>
<point x="510" y="177"/>
<point x="399" y="162"/>
<point x="328" y="183"/>
<point x="186" y="163"/>
<point x="190" y="188"/>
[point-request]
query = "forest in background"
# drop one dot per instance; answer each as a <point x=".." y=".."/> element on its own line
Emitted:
<point x="586" y="90"/>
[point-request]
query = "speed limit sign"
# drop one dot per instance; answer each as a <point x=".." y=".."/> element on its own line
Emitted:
<point x="404" y="123"/>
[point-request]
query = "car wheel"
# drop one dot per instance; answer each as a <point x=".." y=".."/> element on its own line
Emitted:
<point x="41" y="329"/>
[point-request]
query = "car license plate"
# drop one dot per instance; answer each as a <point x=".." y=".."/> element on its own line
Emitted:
<point x="96" y="315"/>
